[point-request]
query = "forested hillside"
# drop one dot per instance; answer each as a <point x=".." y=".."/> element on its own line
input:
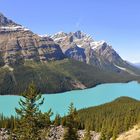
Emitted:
<point x="56" y="76"/>
<point x="111" y="118"/>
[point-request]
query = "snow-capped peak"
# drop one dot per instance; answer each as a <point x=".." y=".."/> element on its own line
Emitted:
<point x="80" y="35"/>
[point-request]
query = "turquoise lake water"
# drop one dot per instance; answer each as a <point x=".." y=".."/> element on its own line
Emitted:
<point x="81" y="98"/>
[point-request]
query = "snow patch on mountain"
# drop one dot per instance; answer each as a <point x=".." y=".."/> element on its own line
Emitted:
<point x="96" y="44"/>
<point x="60" y="38"/>
<point x="13" y="28"/>
<point x="80" y="46"/>
<point x="43" y="35"/>
<point x="127" y="70"/>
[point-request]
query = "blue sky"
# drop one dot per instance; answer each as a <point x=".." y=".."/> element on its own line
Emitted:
<point x="115" y="21"/>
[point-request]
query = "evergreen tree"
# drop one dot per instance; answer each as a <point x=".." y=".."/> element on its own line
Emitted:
<point x="57" y="120"/>
<point x="44" y="120"/>
<point x="87" y="135"/>
<point x="27" y="127"/>
<point x="109" y="134"/>
<point x="63" y="121"/>
<point x="111" y="118"/>
<point x="71" y="124"/>
<point x="103" y="134"/>
<point x="115" y="132"/>
<point x="88" y="127"/>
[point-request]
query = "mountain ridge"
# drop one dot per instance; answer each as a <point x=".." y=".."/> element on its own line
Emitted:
<point x="18" y="44"/>
<point x="4" y="21"/>
<point x="82" y="47"/>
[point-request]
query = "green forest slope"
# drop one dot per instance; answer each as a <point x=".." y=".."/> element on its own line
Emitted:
<point x="57" y="76"/>
<point x="111" y="118"/>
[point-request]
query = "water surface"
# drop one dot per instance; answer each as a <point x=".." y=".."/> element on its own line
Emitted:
<point x="81" y="98"/>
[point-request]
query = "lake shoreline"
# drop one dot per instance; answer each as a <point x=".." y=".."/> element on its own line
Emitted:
<point x="81" y="98"/>
<point x="80" y="89"/>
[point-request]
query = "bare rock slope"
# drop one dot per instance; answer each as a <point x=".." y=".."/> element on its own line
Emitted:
<point x="18" y="44"/>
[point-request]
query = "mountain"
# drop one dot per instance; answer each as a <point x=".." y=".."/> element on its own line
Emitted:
<point x="82" y="47"/>
<point x="26" y="56"/>
<point x="137" y="65"/>
<point x="19" y="44"/>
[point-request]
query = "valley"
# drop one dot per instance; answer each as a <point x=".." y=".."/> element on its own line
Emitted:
<point x="65" y="86"/>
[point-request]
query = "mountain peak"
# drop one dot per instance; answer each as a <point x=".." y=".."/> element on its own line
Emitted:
<point x="7" y="25"/>
<point x="4" y="21"/>
<point x="79" y="34"/>
<point x="59" y="35"/>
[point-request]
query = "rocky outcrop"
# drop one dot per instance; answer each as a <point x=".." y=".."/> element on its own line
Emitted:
<point x="76" y="53"/>
<point x="94" y="135"/>
<point x="55" y="133"/>
<point x="19" y="44"/>
<point x="4" y="134"/>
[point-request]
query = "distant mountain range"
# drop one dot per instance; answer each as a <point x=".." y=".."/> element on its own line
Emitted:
<point x="137" y="65"/>
<point x="26" y="56"/>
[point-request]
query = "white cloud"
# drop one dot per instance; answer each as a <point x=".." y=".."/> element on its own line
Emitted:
<point x="78" y="23"/>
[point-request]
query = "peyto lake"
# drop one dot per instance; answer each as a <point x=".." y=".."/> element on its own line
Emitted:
<point x="81" y="98"/>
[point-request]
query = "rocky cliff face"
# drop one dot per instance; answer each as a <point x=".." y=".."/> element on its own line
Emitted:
<point x="82" y="47"/>
<point x="19" y="44"/>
